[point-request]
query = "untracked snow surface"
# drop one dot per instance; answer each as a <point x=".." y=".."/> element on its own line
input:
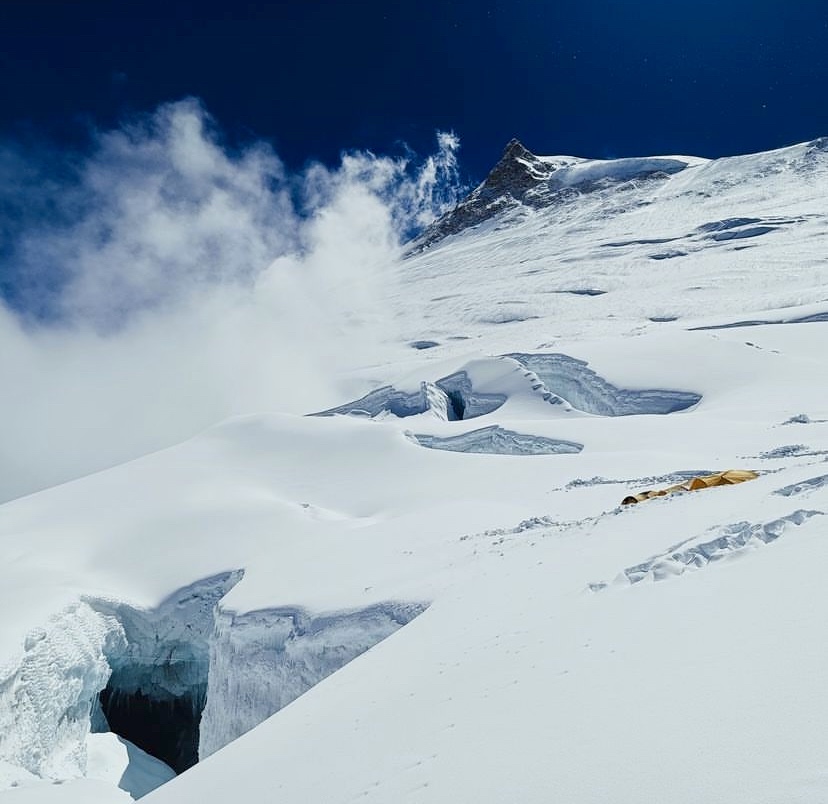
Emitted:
<point x="431" y="593"/>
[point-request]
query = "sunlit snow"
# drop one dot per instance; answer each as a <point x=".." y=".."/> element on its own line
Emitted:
<point x="431" y="593"/>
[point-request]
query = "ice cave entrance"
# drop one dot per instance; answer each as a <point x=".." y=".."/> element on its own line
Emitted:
<point x="165" y="727"/>
<point x="187" y="678"/>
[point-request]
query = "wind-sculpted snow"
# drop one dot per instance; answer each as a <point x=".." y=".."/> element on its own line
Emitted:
<point x="498" y="441"/>
<point x="645" y="241"/>
<point x="48" y="694"/>
<point x="803" y="418"/>
<point x="261" y="661"/>
<point x="760" y="322"/>
<point x="707" y="234"/>
<point x="741" y="234"/>
<point x="799" y="418"/>
<point x="727" y="223"/>
<point x="669" y="254"/>
<point x="741" y="228"/>
<point x="803" y="486"/>
<point x="574" y="381"/>
<point x="589" y="174"/>
<point x="582" y="292"/>
<point x="791" y="451"/>
<point x="727" y="542"/>
<point x="672" y="478"/>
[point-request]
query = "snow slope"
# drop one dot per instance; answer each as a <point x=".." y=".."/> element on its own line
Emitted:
<point x="434" y="586"/>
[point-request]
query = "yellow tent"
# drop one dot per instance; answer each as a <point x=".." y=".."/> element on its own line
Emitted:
<point x="728" y="478"/>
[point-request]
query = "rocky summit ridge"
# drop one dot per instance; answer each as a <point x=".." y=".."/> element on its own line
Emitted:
<point x="523" y="179"/>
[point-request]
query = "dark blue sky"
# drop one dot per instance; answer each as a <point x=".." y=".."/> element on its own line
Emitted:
<point x="589" y="77"/>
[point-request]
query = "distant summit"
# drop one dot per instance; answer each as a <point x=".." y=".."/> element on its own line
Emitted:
<point x="521" y="178"/>
<point x="510" y="181"/>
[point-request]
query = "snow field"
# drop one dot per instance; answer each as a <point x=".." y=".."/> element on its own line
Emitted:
<point x="518" y="682"/>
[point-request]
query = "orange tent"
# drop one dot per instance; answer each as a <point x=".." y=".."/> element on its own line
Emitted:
<point x="728" y="478"/>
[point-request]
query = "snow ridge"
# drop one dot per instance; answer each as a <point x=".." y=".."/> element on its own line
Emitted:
<point x="730" y="541"/>
<point x="803" y="486"/>
<point x="496" y="440"/>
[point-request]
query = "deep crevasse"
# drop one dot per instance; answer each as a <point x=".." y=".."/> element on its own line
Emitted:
<point x="232" y="670"/>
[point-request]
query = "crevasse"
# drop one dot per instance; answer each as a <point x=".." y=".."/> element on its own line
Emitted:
<point x="179" y="681"/>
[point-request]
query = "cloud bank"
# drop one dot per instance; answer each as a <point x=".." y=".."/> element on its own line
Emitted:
<point x="164" y="281"/>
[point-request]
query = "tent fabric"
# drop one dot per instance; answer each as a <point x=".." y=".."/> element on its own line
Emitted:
<point x="728" y="478"/>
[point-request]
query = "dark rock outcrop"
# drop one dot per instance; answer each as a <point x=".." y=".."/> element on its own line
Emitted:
<point x="521" y="180"/>
<point x="509" y="183"/>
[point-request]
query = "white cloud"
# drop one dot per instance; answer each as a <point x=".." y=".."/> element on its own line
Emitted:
<point x="165" y="282"/>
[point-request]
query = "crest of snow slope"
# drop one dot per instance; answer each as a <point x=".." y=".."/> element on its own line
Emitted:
<point x="518" y="682"/>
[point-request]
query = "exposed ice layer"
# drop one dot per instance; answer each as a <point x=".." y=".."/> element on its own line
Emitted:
<point x="498" y="441"/>
<point x="47" y="694"/>
<point x="464" y="401"/>
<point x="726" y="224"/>
<point x="263" y="660"/>
<point x="582" y="292"/>
<point x="799" y="418"/>
<point x="178" y="681"/>
<point x="811" y="484"/>
<point x="450" y="398"/>
<point x="557" y="378"/>
<point x="805" y="319"/>
<point x="156" y="692"/>
<point x="385" y="400"/>
<point x="753" y="231"/>
<point x="437" y="401"/>
<point x="786" y="451"/>
<point x="730" y="541"/>
<point x="574" y="381"/>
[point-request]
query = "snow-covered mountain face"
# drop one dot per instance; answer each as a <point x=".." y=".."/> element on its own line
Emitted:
<point x="620" y="239"/>
<point x="431" y="592"/>
<point x="522" y="179"/>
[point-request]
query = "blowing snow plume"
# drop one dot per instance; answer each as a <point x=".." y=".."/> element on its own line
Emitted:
<point x="164" y="281"/>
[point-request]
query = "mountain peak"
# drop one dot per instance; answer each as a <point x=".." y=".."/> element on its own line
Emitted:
<point x="516" y="150"/>
<point x="517" y="172"/>
<point x="520" y="179"/>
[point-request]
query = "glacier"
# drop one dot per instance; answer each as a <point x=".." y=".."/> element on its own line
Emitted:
<point x="415" y="596"/>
